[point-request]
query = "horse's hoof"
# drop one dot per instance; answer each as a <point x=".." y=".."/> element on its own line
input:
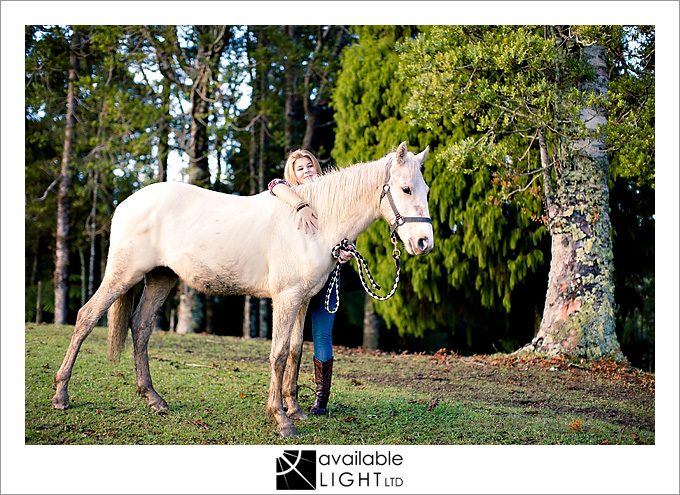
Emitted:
<point x="59" y="403"/>
<point x="297" y="415"/>
<point x="287" y="431"/>
<point x="159" y="407"/>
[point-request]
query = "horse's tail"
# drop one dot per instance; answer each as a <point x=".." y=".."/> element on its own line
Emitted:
<point x="119" y="316"/>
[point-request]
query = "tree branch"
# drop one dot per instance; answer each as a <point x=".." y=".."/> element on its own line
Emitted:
<point x="44" y="196"/>
<point x="524" y="188"/>
<point x="547" y="178"/>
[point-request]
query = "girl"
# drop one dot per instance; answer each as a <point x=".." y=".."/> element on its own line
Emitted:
<point x="302" y="167"/>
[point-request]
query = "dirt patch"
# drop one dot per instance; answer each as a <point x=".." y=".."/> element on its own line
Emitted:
<point x="602" y="390"/>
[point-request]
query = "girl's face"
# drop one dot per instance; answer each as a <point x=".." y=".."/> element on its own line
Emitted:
<point x="304" y="170"/>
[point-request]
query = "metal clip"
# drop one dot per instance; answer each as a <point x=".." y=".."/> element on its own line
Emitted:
<point x="396" y="254"/>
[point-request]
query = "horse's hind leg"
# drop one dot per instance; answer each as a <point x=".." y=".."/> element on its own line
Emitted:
<point x="88" y="316"/>
<point x="157" y="286"/>
<point x="290" y="377"/>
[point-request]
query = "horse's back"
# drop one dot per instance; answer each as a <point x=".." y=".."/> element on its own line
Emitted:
<point x="214" y="241"/>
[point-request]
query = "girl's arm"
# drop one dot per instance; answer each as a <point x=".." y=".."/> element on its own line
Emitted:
<point x="305" y="214"/>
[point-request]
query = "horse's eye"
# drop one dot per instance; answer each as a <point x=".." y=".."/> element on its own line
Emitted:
<point x="407" y="190"/>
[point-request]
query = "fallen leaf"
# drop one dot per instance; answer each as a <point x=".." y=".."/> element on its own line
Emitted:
<point x="432" y="404"/>
<point x="243" y="396"/>
<point x="200" y="423"/>
<point x="637" y="440"/>
<point x="576" y="425"/>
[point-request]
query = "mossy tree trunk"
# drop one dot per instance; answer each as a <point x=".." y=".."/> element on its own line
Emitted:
<point x="578" y="318"/>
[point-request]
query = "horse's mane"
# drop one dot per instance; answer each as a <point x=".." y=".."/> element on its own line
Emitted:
<point x="334" y="192"/>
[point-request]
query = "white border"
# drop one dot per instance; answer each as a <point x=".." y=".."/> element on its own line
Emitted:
<point x="249" y="469"/>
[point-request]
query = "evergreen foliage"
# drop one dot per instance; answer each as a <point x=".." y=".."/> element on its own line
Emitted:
<point x="483" y="249"/>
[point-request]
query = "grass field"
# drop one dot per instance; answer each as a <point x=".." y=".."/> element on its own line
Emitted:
<point x="216" y="388"/>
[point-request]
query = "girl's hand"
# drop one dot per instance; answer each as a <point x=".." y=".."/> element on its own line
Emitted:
<point x="344" y="256"/>
<point x="307" y="220"/>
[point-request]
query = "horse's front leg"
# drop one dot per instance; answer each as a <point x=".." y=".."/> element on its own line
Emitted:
<point x="290" y="377"/>
<point x="285" y="309"/>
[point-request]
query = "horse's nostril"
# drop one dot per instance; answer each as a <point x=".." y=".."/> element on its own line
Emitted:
<point x="422" y="243"/>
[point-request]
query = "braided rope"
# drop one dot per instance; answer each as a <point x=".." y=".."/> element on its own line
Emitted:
<point x="362" y="267"/>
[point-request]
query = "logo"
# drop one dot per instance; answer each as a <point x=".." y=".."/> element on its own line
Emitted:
<point x="296" y="470"/>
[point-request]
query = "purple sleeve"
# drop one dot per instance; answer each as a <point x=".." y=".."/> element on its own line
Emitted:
<point x="275" y="183"/>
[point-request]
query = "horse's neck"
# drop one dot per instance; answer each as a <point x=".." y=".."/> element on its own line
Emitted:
<point x="348" y="200"/>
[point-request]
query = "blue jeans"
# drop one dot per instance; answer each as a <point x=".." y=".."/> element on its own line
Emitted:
<point x="322" y="323"/>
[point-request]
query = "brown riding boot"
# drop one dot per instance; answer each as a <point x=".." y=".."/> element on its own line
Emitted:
<point x="322" y="373"/>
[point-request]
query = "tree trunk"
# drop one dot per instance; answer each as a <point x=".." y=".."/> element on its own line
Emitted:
<point x="93" y="237"/>
<point x="199" y="173"/>
<point x="83" y="278"/>
<point x="212" y="42"/>
<point x="310" y="122"/>
<point x="189" y="311"/>
<point x="163" y="135"/>
<point x="250" y="303"/>
<point x="263" y="304"/>
<point x="249" y="318"/>
<point x="209" y="314"/>
<point x="371" y="325"/>
<point x="263" y="314"/>
<point x="578" y="318"/>
<point x="289" y="112"/>
<point x="103" y="249"/>
<point x="64" y="196"/>
<point x="38" y="304"/>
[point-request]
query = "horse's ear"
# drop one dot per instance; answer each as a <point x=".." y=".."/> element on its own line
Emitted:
<point x="422" y="155"/>
<point x="401" y="153"/>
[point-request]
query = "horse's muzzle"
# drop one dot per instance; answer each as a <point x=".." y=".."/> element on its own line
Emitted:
<point x="421" y="247"/>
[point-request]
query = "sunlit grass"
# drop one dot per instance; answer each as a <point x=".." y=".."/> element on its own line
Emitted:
<point x="216" y="388"/>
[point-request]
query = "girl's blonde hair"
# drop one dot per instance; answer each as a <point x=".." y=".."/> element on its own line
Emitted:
<point x="289" y="169"/>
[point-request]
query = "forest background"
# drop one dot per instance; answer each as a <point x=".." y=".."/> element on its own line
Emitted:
<point x="110" y="109"/>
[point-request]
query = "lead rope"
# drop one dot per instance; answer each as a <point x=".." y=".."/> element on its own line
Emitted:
<point x="361" y="267"/>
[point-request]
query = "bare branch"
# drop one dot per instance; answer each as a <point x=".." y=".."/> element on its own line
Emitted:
<point x="248" y="125"/>
<point x="524" y="188"/>
<point x="44" y="196"/>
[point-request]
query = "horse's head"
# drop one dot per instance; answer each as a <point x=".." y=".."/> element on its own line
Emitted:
<point x="403" y="202"/>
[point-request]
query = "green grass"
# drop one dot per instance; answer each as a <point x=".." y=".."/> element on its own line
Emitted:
<point x="377" y="398"/>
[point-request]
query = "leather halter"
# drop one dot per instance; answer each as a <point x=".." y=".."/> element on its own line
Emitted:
<point x="399" y="219"/>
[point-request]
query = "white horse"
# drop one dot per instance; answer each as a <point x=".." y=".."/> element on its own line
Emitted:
<point x="225" y="244"/>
